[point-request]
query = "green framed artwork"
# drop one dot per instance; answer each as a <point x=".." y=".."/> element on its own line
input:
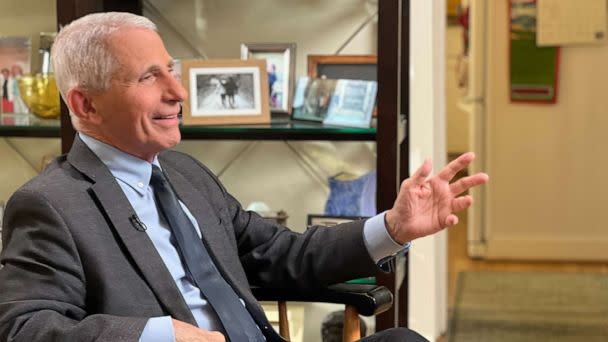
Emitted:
<point x="533" y="69"/>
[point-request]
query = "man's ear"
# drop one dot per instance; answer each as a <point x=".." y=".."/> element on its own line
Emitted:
<point x="81" y="104"/>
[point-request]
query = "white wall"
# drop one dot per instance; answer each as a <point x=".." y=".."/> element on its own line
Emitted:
<point x="546" y="197"/>
<point x="428" y="266"/>
<point x="218" y="28"/>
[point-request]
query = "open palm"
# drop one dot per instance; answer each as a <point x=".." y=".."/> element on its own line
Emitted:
<point x="427" y="205"/>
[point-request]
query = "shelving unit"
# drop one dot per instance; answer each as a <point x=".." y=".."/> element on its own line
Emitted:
<point x="390" y="135"/>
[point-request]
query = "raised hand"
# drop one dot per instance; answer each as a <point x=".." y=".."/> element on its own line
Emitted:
<point x="426" y="205"/>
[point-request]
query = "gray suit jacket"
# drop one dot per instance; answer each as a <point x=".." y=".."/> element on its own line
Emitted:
<point x="76" y="269"/>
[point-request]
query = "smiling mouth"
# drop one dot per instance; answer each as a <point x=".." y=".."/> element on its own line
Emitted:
<point x="166" y="117"/>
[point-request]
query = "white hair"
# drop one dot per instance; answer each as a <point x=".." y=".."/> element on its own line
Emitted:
<point x="81" y="55"/>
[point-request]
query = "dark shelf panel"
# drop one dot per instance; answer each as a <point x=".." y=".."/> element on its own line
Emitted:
<point x="279" y="130"/>
<point x="28" y="125"/>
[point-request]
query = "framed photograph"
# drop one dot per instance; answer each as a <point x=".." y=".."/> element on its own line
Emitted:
<point x="280" y="68"/>
<point x="328" y="220"/>
<point x="230" y="91"/>
<point x="15" y="56"/>
<point x="352" y="104"/>
<point x="312" y="98"/>
<point x="350" y="67"/>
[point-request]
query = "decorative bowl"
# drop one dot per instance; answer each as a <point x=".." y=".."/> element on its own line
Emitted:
<point x="40" y="94"/>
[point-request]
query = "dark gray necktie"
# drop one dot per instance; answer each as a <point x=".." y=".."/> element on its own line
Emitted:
<point x="237" y="321"/>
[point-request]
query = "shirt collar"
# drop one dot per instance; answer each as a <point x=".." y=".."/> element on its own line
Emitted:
<point x="133" y="171"/>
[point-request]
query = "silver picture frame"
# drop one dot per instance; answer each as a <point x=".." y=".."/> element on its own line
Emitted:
<point x="280" y="63"/>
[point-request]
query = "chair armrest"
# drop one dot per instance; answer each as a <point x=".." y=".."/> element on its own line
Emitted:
<point x="368" y="299"/>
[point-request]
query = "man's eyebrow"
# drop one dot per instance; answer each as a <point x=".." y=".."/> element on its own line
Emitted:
<point x="155" y="68"/>
<point x="151" y="69"/>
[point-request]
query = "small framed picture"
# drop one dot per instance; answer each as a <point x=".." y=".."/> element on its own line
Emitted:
<point x="349" y="67"/>
<point x="352" y="104"/>
<point x="280" y="66"/>
<point x="15" y="56"/>
<point x="230" y="91"/>
<point x="312" y="98"/>
<point x="328" y="220"/>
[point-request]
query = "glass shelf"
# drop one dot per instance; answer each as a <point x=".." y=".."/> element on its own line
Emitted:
<point x="28" y="125"/>
<point x="280" y="129"/>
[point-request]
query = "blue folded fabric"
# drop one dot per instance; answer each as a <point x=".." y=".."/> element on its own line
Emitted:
<point x="355" y="197"/>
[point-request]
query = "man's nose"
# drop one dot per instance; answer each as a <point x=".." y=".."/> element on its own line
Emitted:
<point x="176" y="90"/>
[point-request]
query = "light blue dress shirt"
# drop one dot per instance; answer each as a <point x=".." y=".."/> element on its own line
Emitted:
<point x="133" y="176"/>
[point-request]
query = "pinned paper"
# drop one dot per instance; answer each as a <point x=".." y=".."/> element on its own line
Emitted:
<point x="562" y="22"/>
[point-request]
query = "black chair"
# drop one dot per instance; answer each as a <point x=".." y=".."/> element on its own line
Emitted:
<point x="359" y="299"/>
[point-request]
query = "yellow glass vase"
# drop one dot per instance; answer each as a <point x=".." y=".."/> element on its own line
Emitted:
<point x="40" y="94"/>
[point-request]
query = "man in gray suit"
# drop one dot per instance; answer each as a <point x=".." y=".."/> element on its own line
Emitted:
<point x="94" y="252"/>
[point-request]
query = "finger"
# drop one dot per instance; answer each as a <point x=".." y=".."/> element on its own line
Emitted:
<point x="422" y="173"/>
<point x="466" y="183"/>
<point x="451" y="220"/>
<point x="460" y="163"/>
<point x="461" y="203"/>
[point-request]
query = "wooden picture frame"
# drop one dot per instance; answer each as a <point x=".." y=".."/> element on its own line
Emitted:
<point x="281" y="65"/>
<point x="354" y="67"/>
<point x="225" y="91"/>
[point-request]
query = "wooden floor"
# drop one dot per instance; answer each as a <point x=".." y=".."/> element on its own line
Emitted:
<point x="459" y="261"/>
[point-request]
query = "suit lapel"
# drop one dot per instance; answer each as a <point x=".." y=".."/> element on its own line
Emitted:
<point x="216" y="240"/>
<point x="118" y="210"/>
<point x="137" y="243"/>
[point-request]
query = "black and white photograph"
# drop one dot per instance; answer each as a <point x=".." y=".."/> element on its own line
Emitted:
<point x="280" y="67"/>
<point x="225" y="92"/>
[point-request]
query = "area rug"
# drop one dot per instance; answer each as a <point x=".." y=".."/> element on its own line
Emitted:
<point x="530" y="306"/>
